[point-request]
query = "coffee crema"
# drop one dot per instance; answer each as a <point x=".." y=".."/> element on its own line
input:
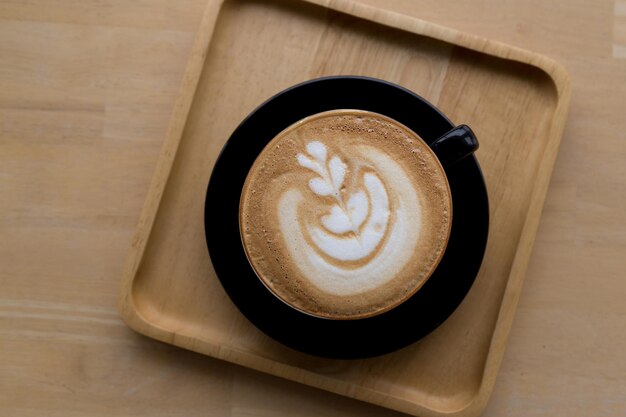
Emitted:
<point x="345" y="214"/>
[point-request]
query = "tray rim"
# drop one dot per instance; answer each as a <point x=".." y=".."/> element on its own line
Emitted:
<point x="185" y="97"/>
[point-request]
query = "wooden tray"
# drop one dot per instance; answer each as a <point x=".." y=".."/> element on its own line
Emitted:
<point x="248" y="50"/>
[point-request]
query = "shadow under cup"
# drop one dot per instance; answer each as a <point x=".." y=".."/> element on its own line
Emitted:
<point x="424" y="310"/>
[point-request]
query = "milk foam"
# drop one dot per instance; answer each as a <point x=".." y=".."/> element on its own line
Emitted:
<point x="346" y="216"/>
<point x="352" y="231"/>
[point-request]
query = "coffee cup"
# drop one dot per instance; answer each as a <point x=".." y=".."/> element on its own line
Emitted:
<point x="343" y="215"/>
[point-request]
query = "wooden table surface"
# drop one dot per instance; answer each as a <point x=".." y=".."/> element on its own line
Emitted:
<point x="86" y="90"/>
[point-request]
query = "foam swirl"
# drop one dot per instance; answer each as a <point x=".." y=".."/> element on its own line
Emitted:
<point x="346" y="218"/>
<point x="363" y="241"/>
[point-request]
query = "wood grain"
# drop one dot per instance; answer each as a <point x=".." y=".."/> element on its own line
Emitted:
<point x="86" y="93"/>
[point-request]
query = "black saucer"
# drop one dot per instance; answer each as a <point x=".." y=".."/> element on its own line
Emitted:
<point x="377" y="335"/>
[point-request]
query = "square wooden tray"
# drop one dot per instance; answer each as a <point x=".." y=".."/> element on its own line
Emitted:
<point x="246" y="51"/>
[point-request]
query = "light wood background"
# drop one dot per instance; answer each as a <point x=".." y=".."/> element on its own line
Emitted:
<point x="86" y="90"/>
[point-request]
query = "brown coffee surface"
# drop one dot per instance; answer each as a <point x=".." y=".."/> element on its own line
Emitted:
<point x="345" y="214"/>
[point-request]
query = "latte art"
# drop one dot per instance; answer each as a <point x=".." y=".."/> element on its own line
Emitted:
<point x="345" y="214"/>
<point x="346" y="218"/>
<point x="359" y="241"/>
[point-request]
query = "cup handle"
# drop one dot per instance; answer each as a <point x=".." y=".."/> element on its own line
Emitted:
<point x="455" y="145"/>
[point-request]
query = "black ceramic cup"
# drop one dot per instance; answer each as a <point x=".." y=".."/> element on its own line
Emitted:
<point x="433" y="303"/>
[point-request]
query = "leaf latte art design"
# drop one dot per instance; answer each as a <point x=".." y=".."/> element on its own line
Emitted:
<point x="355" y="225"/>
<point x="353" y="229"/>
